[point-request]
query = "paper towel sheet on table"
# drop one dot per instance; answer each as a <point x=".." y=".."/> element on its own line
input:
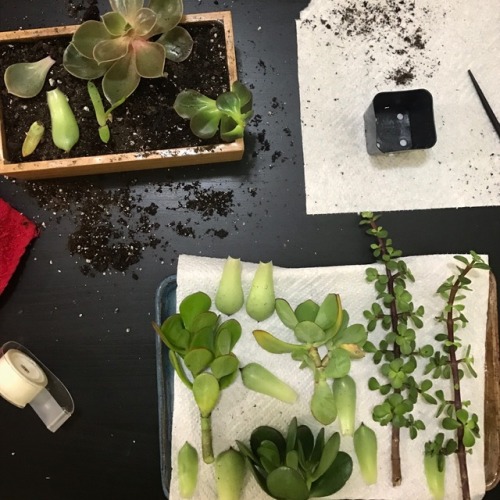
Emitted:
<point x="348" y="52"/>
<point x="240" y="411"/>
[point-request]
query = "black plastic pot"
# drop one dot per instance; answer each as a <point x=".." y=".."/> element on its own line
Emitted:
<point x="400" y="121"/>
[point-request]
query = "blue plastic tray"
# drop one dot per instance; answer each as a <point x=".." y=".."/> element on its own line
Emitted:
<point x="164" y="307"/>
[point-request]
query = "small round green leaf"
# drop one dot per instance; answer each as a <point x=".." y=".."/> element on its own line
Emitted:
<point x="206" y="393"/>
<point x="192" y="305"/>
<point x="309" y="332"/>
<point x="224" y="365"/>
<point x="286" y="314"/>
<point x="198" y="360"/>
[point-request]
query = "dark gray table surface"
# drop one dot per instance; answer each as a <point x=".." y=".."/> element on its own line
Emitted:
<point x="94" y="329"/>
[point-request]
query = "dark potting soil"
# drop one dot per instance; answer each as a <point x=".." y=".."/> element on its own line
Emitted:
<point x="145" y="122"/>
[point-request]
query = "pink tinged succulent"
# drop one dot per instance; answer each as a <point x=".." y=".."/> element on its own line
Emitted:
<point x="131" y="42"/>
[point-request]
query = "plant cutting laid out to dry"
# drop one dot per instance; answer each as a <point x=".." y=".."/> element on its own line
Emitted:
<point x="141" y="56"/>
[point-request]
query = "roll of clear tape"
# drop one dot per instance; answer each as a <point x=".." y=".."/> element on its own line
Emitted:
<point x="25" y="380"/>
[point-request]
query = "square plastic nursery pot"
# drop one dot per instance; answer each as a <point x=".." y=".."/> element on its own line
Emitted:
<point x="164" y="158"/>
<point x="400" y="121"/>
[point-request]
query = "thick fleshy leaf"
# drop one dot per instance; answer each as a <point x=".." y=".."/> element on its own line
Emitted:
<point x="192" y="305"/>
<point x="174" y="331"/>
<point x="328" y="455"/>
<point x="288" y="483"/>
<point x="234" y="328"/>
<point x="189" y="102"/>
<point x="127" y="8"/>
<point x="179" y="369"/>
<point x="226" y="381"/>
<point x="334" y="478"/>
<point x="121" y="79"/>
<point x="319" y="445"/>
<point x="229" y="103"/>
<point x="274" y="345"/>
<point x="203" y="320"/>
<point x="323" y="405"/>
<point x="204" y="337"/>
<point x="205" y="123"/>
<point x="307" y="311"/>
<point x="244" y="95"/>
<point x="197" y="360"/>
<point x="223" y="342"/>
<point x="339" y="364"/>
<point x="285" y="313"/>
<point x="111" y="50"/>
<point x="88" y="35"/>
<point x="149" y="58"/>
<point x="353" y="334"/>
<point x="266" y="433"/>
<point x="306" y="439"/>
<point x="309" y="332"/>
<point x="80" y="66"/>
<point x="329" y="311"/>
<point x="178" y="44"/>
<point x="224" y="365"/>
<point x="206" y="393"/>
<point x="169" y="13"/>
<point x="145" y="19"/>
<point x="229" y="129"/>
<point x="270" y="452"/>
<point x="115" y="23"/>
<point x="27" y="79"/>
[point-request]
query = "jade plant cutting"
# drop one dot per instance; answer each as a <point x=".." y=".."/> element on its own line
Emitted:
<point x="326" y="344"/>
<point x="131" y="42"/>
<point x="200" y="350"/>
<point x="298" y="465"/>
<point x="452" y="362"/>
<point x="395" y="312"/>
<point x="230" y="112"/>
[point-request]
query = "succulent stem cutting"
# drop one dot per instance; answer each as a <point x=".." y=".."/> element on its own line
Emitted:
<point x="396" y="313"/>
<point x="449" y="365"/>
<point x="326" y="346"/>
<point x="201" y="345"/>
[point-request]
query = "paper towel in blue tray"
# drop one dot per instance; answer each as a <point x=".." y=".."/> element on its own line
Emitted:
<point x="350" y="50"/>
<point x="240" y="411"/>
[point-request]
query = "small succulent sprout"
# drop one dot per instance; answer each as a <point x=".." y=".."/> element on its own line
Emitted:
<point x="299" y="465"/>
<point x="33" y="138"/>
<point x="259" y="379"/>
<point x="229" y="298"/>
<point x="187" y="470"/>
<point x="230" y="112"/>
<point x="261" y="300"/>
<point x="102" y="116"/>
<point x="131" y="42"/>
<point x="344" y="394"/>
<point x="27" y="79"/>
<point x="65" y="131"/>
<point x="365" y="447"/>
<point x="230" y="474"/>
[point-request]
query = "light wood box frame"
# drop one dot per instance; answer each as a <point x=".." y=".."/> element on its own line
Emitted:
<point x="122" y="162"/>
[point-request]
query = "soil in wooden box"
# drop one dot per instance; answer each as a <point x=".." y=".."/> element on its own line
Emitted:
<point x="145" y="122"/>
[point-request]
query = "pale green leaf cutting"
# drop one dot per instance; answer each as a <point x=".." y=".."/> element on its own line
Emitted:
<point x="27" y="79"/>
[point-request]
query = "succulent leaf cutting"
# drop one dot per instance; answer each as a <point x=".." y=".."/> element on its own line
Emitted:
<point x="200" y="350"/>
<point x="131" y="42"/>
<point x="326" y="345"/>
<point x="298" y="465"/>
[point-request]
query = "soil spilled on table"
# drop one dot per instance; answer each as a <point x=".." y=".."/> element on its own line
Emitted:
<point x="145" y="122"/>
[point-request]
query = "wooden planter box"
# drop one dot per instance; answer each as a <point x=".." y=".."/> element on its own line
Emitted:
<point x="177" y="157"/>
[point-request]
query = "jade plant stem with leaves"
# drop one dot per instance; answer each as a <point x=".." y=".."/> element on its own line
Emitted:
<point x="398" y="350"/>
<point x="447" y="364"/>
<point x="201" y="344"/>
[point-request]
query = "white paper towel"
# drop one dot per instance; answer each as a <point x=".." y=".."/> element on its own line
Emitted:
<point x="350" y="50"/>
<point x="240" y="411"/>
